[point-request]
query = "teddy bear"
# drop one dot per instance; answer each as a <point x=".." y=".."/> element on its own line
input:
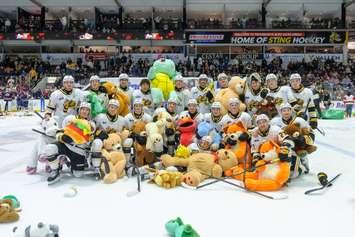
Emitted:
<point x="241" y="149"/>
<point x="155" y="132"/>
<point x="236" y="89"/>
<point x="8" y="213"/>
<point x="270" y="174"/>
<point x="112" y="152"/>
<point x="302" y="138"/>
<point x="201" y="166"/>
<point x="115" y="93"/>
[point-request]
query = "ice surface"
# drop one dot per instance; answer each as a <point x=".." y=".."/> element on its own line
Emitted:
<point x="218" y="210"/>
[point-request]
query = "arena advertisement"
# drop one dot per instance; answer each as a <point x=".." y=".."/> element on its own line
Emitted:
<point x="268" y="38"/>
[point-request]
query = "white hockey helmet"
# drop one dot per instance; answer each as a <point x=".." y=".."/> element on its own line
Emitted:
<point x="295" y="76"/>
<point x="95" y="78"/>
<point x="192" y="102"/>
<point x="255" y="77"/>
<point x="138" y="101"/>
<point x="270" y="76"/>
<point x="114" y="103"/>
<point x="207" y="139"/>
<point x="68" y="78"/>
<point x="203" y="77"/>
<point x="84" y="104"/>
<point x="284" y="106"/>
<point x="233" y="101"/>
<point x="216" y="105"/>
<point x="178" y="77"/>
<point x="261" y="117"/>
<point x="123" y="76"/>
<point x="172" y="100"/>
<point x="222" y="76"/>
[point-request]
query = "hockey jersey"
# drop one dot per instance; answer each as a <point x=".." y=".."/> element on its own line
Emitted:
<point x="61" y="103"/>
<point x="110" y="124"/>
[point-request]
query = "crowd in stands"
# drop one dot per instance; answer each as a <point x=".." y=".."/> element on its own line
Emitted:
<point x="307" y="23"/>
<point x="24" y="73"/>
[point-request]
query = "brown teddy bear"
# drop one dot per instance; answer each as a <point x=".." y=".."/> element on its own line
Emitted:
<point x="143" y="156"/>
<point x="236" y="89"/>
<point x="201" y="165"/>
<point x="112" y="152"/>
<point x="7" y="211"/>
<point x="294" y="131"/>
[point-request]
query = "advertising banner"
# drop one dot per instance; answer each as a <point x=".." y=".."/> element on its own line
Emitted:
<point x="267" y="38"/>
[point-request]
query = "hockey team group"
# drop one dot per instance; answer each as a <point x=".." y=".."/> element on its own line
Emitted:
<point x="268" y="129"/>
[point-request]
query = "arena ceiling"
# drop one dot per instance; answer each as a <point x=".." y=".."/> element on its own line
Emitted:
<point x="317" y="6"/>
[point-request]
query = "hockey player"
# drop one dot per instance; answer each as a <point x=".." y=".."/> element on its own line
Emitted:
<point x="290" y="143"/>
<point x="280" y="94"/>
<point x="76" y="154"/>
<point x="49" y="127"/>
<point x="203" y="94"/>
<point x="286" y="117"/>
<point x="183" y="95"/>
<point x="137" y="114"/>
<point x="100" y="91"/>
<point x="254" y="94"/>
<point x="234" y="115"/>
<point x="111" y="122"/>
<point x="145" y="94"/>
<point x="215" y="116"/>
<point x="64" y="101"/>
<point x="124" y="85"/>
<point x="304" y="97"/>
<point x="171" y="108"/>
<point x="193" y="111"/>
<point x="223" y="80"/>
<point x="261" y="133"/>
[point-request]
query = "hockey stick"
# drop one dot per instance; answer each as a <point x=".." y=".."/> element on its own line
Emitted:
<point x="42" y="133"/>
<point x="136" y="169"/>
<point x="234" y="175"/>
<point x="320" y="131"/>
<point x="241" y="187"/>
<point x="39" y="115"/>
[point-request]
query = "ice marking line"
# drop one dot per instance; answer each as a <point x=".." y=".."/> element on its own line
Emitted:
<point x="335" y="148"/>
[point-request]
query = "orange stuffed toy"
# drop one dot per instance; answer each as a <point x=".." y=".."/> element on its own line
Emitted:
<point x="116" y="93"/>
<point x="267" y="176"/>
<point x="241" y="149"/>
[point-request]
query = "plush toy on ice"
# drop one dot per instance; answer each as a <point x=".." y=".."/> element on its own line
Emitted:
<point x="39" y="230"/>
<point x="9" y="209"/>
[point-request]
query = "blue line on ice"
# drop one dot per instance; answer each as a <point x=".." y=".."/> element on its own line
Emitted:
<point x="338" y="149"/>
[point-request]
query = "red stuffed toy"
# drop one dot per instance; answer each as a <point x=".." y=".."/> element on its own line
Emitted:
<point x="187" y="129"/>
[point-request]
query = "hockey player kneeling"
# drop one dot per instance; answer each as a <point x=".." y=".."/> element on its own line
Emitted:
<point x="72" y="146"/>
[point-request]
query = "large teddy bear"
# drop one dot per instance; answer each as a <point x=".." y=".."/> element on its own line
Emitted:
<point x="201" y="166"/>
<point x="236" y="89"/>
<point x="116" y="93"/>
<point x="270" y="174"/>
<point x="115" y="158"/>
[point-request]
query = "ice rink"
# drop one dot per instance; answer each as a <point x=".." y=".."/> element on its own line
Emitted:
<point x="217" y="210"/>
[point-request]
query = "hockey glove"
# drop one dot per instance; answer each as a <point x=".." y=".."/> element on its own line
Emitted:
<point x="313" y="123"/>
<point x="209" y="96"/>
<point x="102" y="89"/>
<point x="102" y="135"/>
<point x="263" y="93"/>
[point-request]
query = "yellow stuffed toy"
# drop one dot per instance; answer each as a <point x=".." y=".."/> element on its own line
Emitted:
<point x="116" y="93"/>
<point x="167" y="179"/>
<point x="236" y="89"/>
<point x="115" y="158"/>
<point x="182" y="151"/>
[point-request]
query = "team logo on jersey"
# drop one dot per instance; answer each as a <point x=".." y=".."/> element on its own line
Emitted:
<point x="147" y="102"/>
<point x="68" y="104"/>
